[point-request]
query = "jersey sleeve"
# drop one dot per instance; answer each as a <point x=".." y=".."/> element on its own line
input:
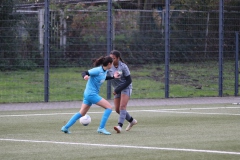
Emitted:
<point x="126" y="71"/>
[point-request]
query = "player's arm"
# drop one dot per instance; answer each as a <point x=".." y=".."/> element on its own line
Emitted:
<point x="115" y="75"/>
<point x="85" y="75"/>
<point x="124" y="85"/>
<point x="109" y="77"/>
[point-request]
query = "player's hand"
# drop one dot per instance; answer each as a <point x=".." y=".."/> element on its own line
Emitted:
<point x="86" y="77"/>
<point x="116" y="75"/>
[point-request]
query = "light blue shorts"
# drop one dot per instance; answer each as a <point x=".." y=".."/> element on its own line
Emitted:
<point x="127" y="91"/>
<point x="90" y="99"/>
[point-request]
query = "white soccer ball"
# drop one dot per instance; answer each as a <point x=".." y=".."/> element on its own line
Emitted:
<point x="85" y="120"/>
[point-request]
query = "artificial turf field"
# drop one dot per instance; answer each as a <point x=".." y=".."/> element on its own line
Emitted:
<point x="189" y="132"/>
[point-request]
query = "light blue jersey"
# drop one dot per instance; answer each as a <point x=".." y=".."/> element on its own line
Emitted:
<point x="94" y="83"/>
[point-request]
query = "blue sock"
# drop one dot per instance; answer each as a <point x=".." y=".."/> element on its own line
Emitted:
<point x="105" y="117"/>
<point x="73" y="119"/>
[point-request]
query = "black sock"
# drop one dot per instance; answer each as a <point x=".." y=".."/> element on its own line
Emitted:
<point x="120" y="124"/>
<point x="131" y="119"/>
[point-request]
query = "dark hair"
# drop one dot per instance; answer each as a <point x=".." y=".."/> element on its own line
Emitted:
<point x="117" y="54"/>
<point x="102" y="61"/>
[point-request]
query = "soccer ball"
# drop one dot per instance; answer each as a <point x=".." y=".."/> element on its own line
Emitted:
<point x="85" y="120"/>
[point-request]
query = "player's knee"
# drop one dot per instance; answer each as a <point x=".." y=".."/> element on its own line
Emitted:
<point x="109" y="107"/>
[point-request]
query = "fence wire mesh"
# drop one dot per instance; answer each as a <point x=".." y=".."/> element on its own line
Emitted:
<point x="78" y="34"/>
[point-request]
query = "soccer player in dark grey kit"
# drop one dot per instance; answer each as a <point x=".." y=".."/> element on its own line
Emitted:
<point x="122" y="91"/>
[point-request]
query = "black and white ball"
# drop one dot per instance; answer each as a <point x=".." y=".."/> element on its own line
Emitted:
<point x="85" y="120"/>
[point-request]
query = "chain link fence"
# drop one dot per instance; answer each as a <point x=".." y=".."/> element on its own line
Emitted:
<point x="173" y="48"/>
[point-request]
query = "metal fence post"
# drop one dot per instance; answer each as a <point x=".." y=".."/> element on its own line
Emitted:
<point x="40" y="30"/>
<point x="109" y="41"/>
<point x="236" y="64"/>
<point x="221" y="38"/>
<point x="167" y="48"/>
<point x="46" y="51"/>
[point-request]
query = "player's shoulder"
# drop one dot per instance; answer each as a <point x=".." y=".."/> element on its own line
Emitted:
<point x="122" y="64"/>
<point x="95" y="70"/>
<point x="92" y="69"/>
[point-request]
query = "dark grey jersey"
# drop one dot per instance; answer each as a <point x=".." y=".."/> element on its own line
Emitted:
<point x="124" y="72"/>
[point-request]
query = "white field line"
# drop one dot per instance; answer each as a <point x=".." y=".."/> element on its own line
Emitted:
<point x="209" y="108"/>
<point x="173" y="110"/>
<point x="47" y="114"/>
<point x="203" y="113"/>
<point x="124" y="146"/>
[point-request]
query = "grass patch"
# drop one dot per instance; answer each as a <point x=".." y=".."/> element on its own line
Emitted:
<point x="66" y="84"/>
<point x="36" y="134"/>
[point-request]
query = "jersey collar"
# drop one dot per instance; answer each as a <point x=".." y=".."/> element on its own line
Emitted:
<point x="103" y="69"/>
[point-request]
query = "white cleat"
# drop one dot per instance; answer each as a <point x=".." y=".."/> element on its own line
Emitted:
<point x="131" y="124"/>
<point x="118" y="129"/>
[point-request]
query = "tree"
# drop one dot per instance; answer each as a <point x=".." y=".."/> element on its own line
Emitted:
<point x="146" y="16"/>
<point x="7" y="34"/>
<point x="15" y="43"/>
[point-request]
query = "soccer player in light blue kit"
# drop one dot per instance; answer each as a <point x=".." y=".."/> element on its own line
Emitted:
<point x="95" y="76"/>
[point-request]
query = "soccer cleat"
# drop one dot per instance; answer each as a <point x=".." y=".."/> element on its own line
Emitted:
<point x="118" y="129"/>
<point x="65" y="130"/>
<point x="131" y="124"/>
<point x="103" y="131"/>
